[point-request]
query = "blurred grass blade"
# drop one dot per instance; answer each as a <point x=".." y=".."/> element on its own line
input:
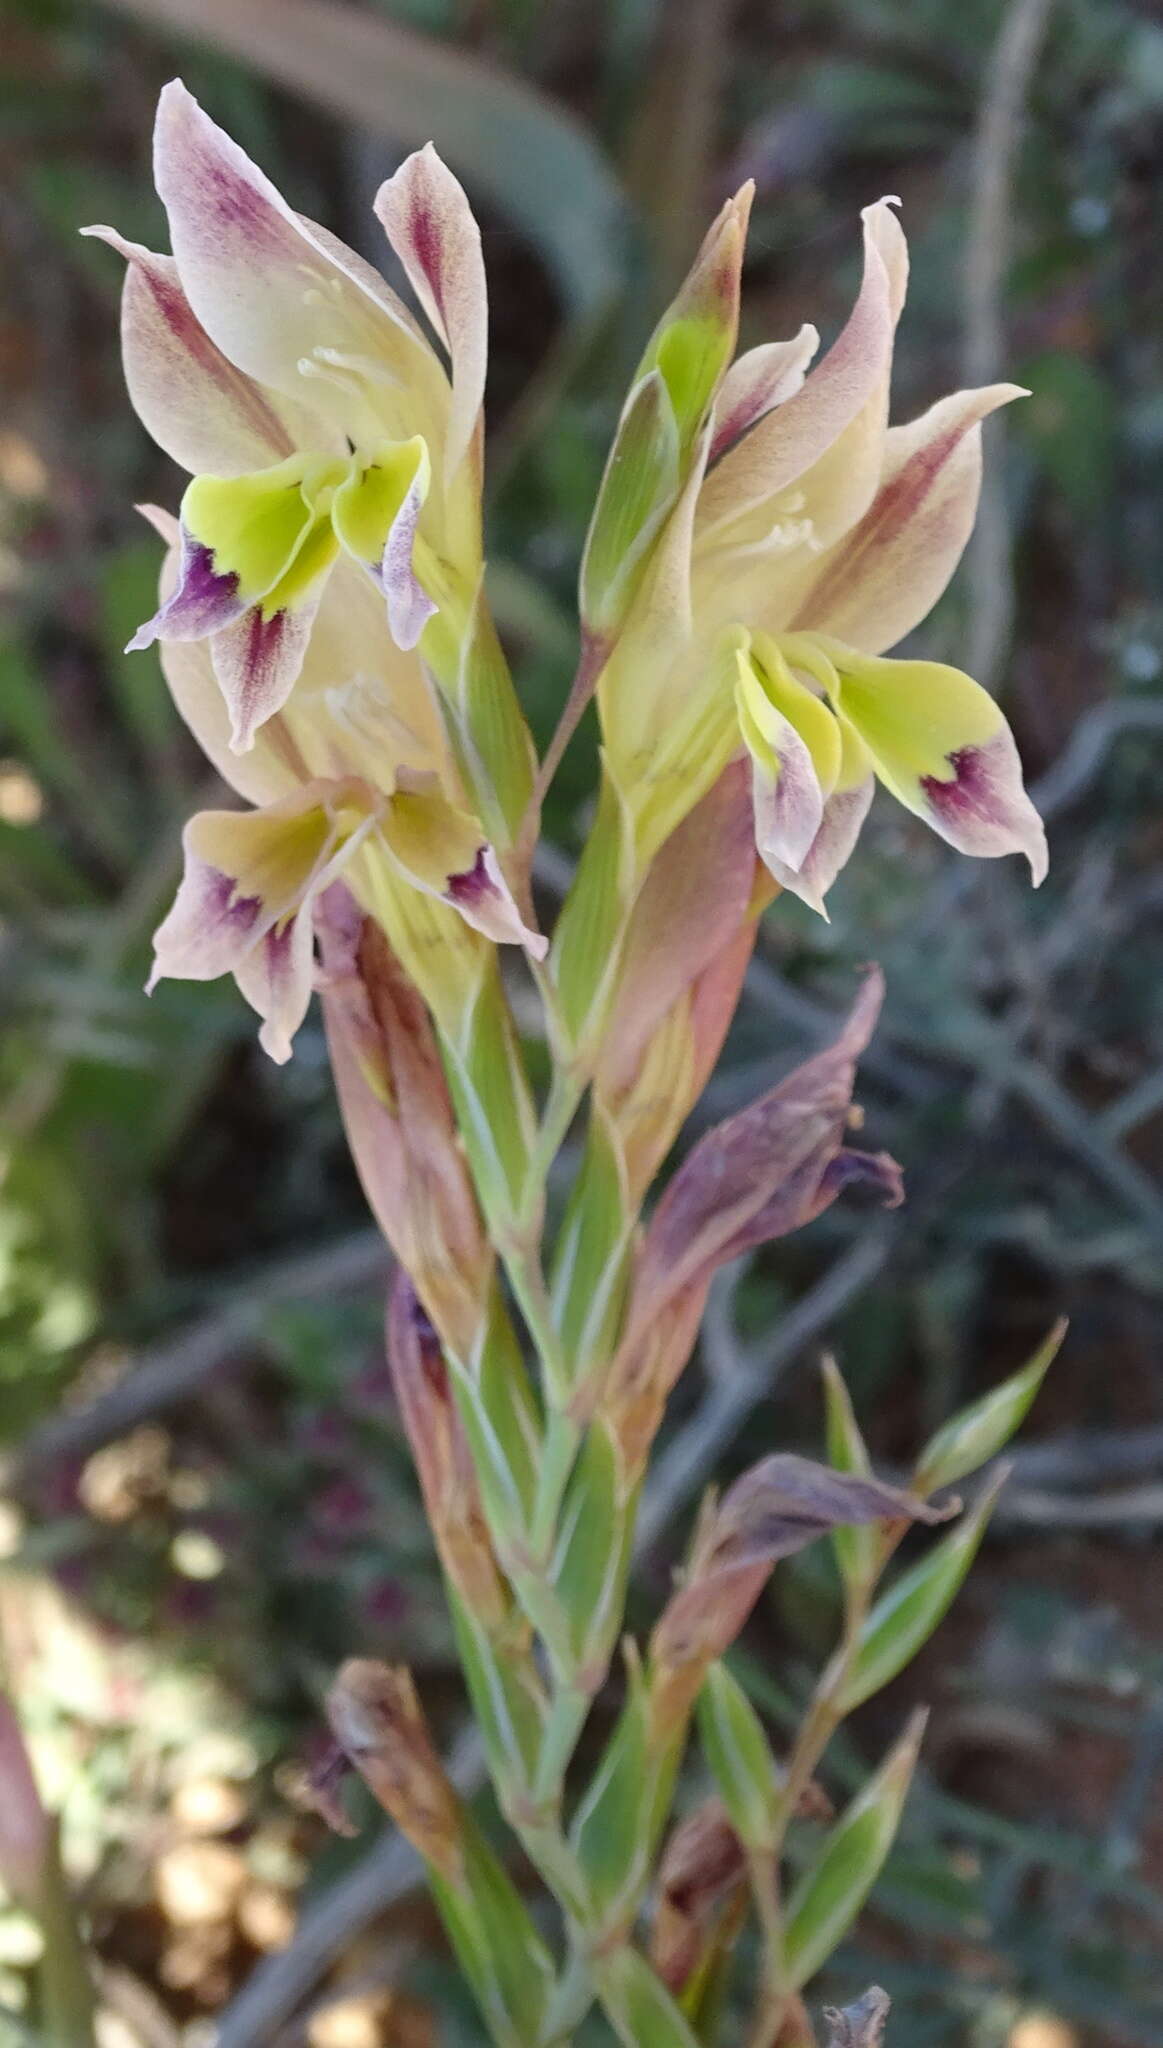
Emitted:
<point x="833" y="1889"/>
<point x="512" y="145"/>
<point x="984" y="1428"/>
<point x="905" y="1616"/>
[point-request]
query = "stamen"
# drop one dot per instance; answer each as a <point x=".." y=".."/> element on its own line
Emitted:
<point x="359" y="365"/>
<point x="317" y="365"/>
<point x="363" y="714"/>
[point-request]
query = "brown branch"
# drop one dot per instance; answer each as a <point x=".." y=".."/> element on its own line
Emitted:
<point x="998" y="140"/>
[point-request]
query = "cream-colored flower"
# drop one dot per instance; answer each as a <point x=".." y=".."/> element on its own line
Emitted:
<point x="810" y="539"/>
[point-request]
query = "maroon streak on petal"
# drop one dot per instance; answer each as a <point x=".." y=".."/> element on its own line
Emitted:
<point x="883" y="577"/>
<point x="202" y="602"/>
<point x="896" y="504"/>
<point x="409" y="605"/>
<point x="276" y="976"/>
<point x="430" y="225"/>
<point x="257" y="661"/>
<point x="202" y="410"/>
<point x="428" y="244"/>
<point x="268" y="286"/>
<point x="789" y="441"/>
<point x="765" y="377"/>
<point x="208" y="928"/>
<point x="472" y="888"/>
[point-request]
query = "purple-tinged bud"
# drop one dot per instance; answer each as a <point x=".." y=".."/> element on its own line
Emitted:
<point x="441" y="1452"/>
<point x="399" y="1117"/>
<point x="701" y="1883"/>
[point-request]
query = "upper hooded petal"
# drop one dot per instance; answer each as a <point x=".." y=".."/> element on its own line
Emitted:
<point x="845" y="395"/>
<point x="887" y="573"/>
<point x="756" y="383"/>
<point x="430" y="225"/>
<point x="272" y="290"/>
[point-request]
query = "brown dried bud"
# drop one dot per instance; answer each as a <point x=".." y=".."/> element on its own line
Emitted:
<point x="759" y="1175"/>
<point x="376" y="1719"/>
<point x="784" y="1503"/>
<point x="860" y="2025"/>
<point x="441" y="1451"/>
<point x="321" y="1788"/>
<point x="701" y="1881"/>
<point x="399" y="1117"/>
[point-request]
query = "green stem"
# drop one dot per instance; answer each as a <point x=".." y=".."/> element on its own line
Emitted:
<point x="763" y="1872"/>
<point x="522" y="1262"/>
<point x="820" y="1723"/>
<point x="65" y="1984"/>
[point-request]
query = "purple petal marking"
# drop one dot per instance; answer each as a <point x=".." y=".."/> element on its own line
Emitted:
<point x="789" y="809"/>
<point x="201" y="603"/>
<point x="878" y="1172"/>
<point x="277" y="976"/>
<point x="831" y="849"/>
<point x="983" y="809"/>
<point x="472" y="888"/>
<point x="482" y="896"/>
<point x="208" y="929"/>
<point x="257" y="661"/>
<point x="409" y="605"/>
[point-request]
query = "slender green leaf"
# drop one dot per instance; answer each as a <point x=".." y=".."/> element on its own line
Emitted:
<point x="984" y="1428"/>
<point x="904" y="1618"/>
<point x="639" y="487"/>
<point x="586" y="938"/>
<point x="831" y="1892"/>
<point x="640" y="2008"/>
<point x="589" y="1567"/>
<point x="855" y="1547"/>
<point x="498" y="1947"/>
<point x="740" y="1757"/>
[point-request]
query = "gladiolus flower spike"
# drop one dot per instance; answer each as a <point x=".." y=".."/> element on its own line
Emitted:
<point x="761" y="543"/>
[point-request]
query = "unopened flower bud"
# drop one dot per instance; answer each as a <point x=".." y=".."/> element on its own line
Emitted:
<point x="399" y="1117"/>
<point x="700" y="1881"/>
<point x="376" y="1719"/>
<point x="441" y="1452"/>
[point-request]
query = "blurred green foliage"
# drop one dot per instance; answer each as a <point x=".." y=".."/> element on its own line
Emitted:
<point x="150" y="1159"/>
